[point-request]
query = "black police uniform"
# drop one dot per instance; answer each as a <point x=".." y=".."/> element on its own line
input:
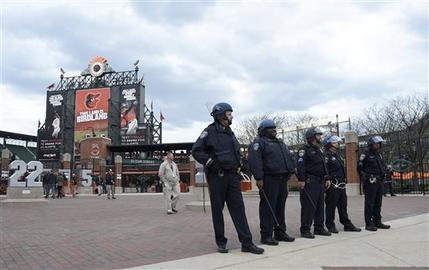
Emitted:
<point x="372" y="170"/>
<point x="270" y="161"/>
<point x="336" y="196"/>
<point x="220" y="144"/>
<point x="312" y="169"/>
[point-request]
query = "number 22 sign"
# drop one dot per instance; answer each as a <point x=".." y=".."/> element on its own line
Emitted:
<point x="34" y="168"/>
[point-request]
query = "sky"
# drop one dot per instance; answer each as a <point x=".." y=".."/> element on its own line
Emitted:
<point x="316" y="57"/>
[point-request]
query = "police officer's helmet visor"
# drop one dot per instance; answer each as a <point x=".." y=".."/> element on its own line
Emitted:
<point x="331" y="139"/>
<point x="312" y="132"/>
<point x="334" y="139"/>
<point x="376" y="139"/>
<point x="220" y="109"/>
<point x="267" y="124"/>
<point x="318" y="131"/>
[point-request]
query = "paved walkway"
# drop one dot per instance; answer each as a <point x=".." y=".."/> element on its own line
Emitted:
<point x="404" y="245"/>
<point x="95" y="233"/>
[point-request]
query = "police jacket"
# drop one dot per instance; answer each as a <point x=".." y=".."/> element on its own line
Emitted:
<point x="311" y="163"/>
<point x="371" y="163"/>
<point x="335" y="165"/>
<point x="219" y="144"/>
<point x="269" y="157"/>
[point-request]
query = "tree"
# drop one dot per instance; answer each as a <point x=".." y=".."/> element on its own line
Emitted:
<point x="247" y="129"/>
<point x="404" y="123"/>
<point x="400" y="113"/>
<point x="290" y="129"/>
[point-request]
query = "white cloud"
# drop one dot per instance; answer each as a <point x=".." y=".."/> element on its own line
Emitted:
<point x="20" y="113"/>
<point x="321" y="57"/>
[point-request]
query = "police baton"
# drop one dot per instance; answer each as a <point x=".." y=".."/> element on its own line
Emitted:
<point x="204" y="191"/>
<point x="271" y="210"/>
<point x="269" y="206"/>
<point x="310" y="199"/>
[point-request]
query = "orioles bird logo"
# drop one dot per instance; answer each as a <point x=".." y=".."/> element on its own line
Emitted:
<point x="92" y="100"/>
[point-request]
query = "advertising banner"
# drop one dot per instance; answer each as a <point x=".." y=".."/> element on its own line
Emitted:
<point x="131" y="132"/>
<point x="91" y="114"/>
<point x="50" y="135"/>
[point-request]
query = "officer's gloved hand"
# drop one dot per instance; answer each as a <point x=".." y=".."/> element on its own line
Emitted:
<point x="259" y="183"/>
<point x="301" y="184"/>
<point x="327" y="184"/>
<point x="327" y="181"/>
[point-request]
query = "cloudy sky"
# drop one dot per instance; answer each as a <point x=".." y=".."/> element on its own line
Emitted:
<point x="317" y="57"/>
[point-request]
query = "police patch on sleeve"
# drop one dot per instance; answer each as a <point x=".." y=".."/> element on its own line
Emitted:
<point x="203" y="134"/>
<point x="362" y="157"/>
<point x="256" y="146"/>
<point x="301" y="152"/>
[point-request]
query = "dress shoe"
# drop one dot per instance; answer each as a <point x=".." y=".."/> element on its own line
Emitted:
<point x="222" y="249"/>
<point x="371" y="227"/>
<point x="307" y="235"/>
<point x="284" y="237"/>
<point x="382" y="226"/>
<point x="333" y="230"/>
<point x="269" y="241"/>
<point x="252" y="249"/>
<point x="322" y="232"/>
<point x="351" y="228"/>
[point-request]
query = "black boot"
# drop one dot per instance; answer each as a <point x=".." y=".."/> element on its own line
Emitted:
<point x="322" y="232"/>
<point x="332" y="229"/>
<point x="269" y="241"/>
<point x="284" y="237"/>
<point x="382" y="226"/>
<point x="371" y="227"/>
<point x="222" y="249"/>
<point x="252" y="249"/>
<point x="351" y="228"/>
<point x="307" y="235"/>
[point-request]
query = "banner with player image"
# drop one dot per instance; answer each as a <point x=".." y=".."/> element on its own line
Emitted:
<point x="50" y="135"/>
<point x="131" y="132"/>
<point x="91" y="114"/>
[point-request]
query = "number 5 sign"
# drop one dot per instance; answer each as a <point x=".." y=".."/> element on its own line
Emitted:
<point x="34" y="168"/>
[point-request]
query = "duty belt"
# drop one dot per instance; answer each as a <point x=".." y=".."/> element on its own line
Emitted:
<point x="374" y="178"/>
<point x="221" y="172"/>
<point x="278" y="176"/>
<point x="314" y="177"/>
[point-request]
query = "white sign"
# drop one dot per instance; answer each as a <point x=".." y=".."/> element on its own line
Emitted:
<point x="33" y="168"/>
<point x="86" y="178"/>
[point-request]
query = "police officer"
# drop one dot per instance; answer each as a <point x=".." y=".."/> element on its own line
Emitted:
<point x="312" y="180"/>
<point x="372" y="171"/>
<point x="218" y="149"/>
<point x="336" y="196"/>
<point x="271" y="164"/>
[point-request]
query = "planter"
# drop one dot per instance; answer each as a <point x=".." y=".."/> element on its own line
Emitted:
<point x="183" y="187"/>
<point x="245" y="186"/>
